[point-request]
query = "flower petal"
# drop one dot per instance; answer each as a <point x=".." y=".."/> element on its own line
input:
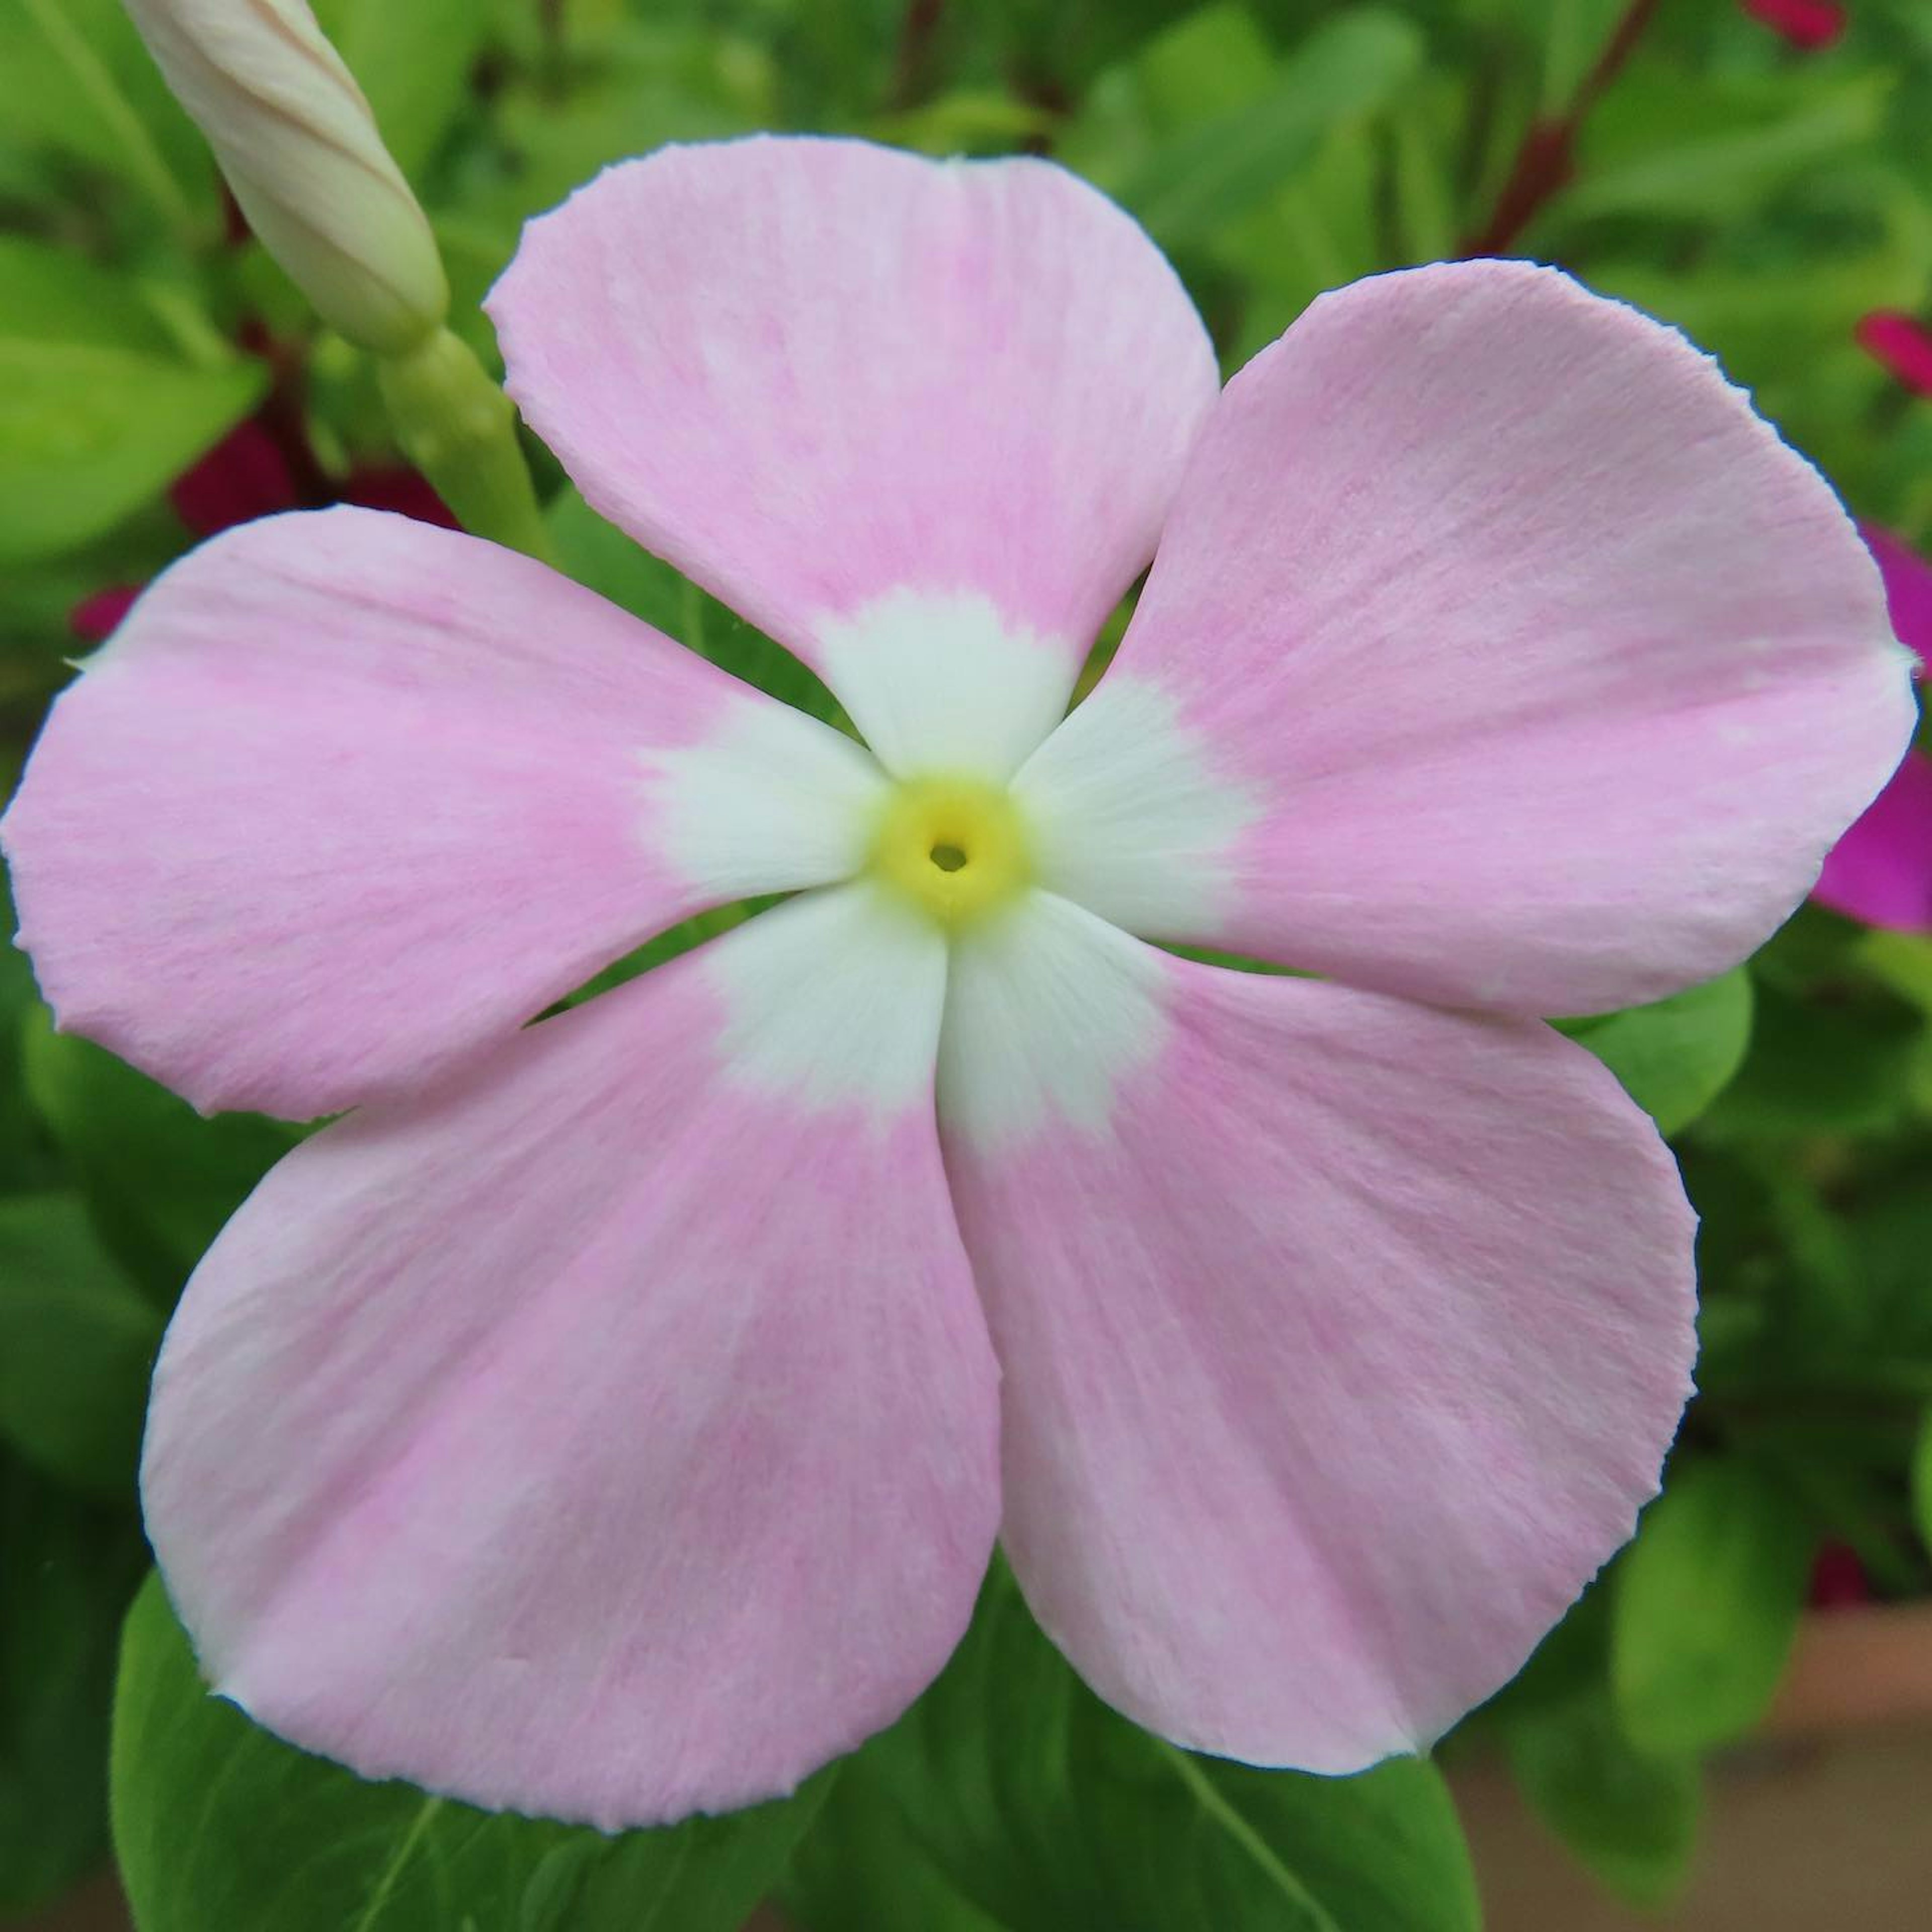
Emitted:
<point x="1342" y="1338"/>
<point x="347" y="795"/>
<point x="891" y="410"/>
<point x="1517" y="662"/>
<point x="611" y="1434"/>
<point x="1880" y="872"/>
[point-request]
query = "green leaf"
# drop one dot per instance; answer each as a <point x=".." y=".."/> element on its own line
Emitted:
<point x="75" y="1344"/>
<point x="1730" y="152"/>
<point x="1217" y="61"/>
<point x="1706" y="1606"/>
<point x="160" y="1179"/>
<point x="1045" y="1809"/>
<point x="650" y="82"/>
<point x="860" y="1869"/>
<point x="412" y="62"/>
<point x="1674" y="1056"/>
<point x="608" y="563"/>
<point x="53" y="295"/>
<point x="96" y="414"/>
<point x="1348" y="68"/>
<point x="1630" y="1816"/>
<point x="75" y="79"/>
<point x="219" y="1827"/>
<point x="1820" y="1063"/>
<point x="68" y="1568"/>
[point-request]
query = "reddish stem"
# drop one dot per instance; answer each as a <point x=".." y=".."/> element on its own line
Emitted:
<point x="284" y="416"/>
<point x="916" y="33"/>
<point x="1547" y="162"/>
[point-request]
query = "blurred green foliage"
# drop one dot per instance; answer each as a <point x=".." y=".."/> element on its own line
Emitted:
<point x="1762" y="198"/>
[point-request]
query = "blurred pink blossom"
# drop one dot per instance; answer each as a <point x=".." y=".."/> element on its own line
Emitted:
<point x="1880" y="872"/>
<point x="1809" y="24"/>
<point x="1902" y="344"/>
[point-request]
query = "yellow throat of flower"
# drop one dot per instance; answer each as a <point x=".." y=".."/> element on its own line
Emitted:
<point x="955" y="847"/>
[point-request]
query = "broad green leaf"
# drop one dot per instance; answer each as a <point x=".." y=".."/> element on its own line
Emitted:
<point x="1674" y="1056"/>
<point x="1820" y="1063"/>
<point x="1706" y="1605"/>
<point x="75" y="1343"/>
<point x="219" y="1827"/>
<point x="610" y="563"/>
<point x="89" y="432"/>
<point x="651" y="83"/>
<point x="1067" y="42"/>
<point x="160" y="1179"/>
<point x="49" y="294"/>
<point x="1046" y="1810"/>
<point x="1424" y="186"/>
<point x="859" y="1869"/>
<point x="1703" y="167"/>
<point x="1882" y="262"/>
<point x="971" y="121"/>
<point x="1348" y="67"/>
<point x="1903" y="962"/>
<point x="413" y="62"/>
<point x="75" y="79"/>
<point x="1574" y="33"/>
<point x="1630" y="1815"/>
<point x="1217" y="61"/>
<point x="68" y="1568"/>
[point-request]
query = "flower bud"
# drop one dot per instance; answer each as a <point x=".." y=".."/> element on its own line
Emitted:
<point x="299" y="146"/>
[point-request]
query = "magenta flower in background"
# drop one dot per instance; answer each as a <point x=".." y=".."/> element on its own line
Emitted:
<point x="246" y="476"/>
<point x="1807" y="24"/>
<point x="1902" y="344"/>
<point x="1881" y="871"/>
<point x="612" y="1417"/>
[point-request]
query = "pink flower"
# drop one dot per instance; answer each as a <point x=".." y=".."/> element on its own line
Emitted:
<point x="244" y="476"/>
<point x="1881" y="871"/>
<point x="1902" y="344"/>
<point x="1807" y="24"/>
<point x="613" y="1416"/>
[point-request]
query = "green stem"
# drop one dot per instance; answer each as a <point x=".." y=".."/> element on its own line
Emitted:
<point x="459" y="430"/>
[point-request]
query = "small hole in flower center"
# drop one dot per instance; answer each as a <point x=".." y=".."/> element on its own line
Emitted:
<point x="947" y="858"/>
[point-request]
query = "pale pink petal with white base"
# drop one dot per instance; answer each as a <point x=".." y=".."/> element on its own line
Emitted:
<point x="1343" y="1338"/>
<point x="347" y="795"/>
<point x="612" y="1433"/>
<point x="1496" y="654"/>
<point x="919" y="420"/>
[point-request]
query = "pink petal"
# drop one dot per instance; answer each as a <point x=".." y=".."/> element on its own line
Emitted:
<point x="610" y="1434"/>
<point x="1880" y="872"/>
<point x="347" y="795"/>
<point x="1542" y="674"/>
<point x="1342" y="1340"/>
<point x="812" y="372"/>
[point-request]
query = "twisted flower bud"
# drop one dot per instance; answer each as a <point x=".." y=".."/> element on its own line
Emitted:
<point x="299" y="146"/>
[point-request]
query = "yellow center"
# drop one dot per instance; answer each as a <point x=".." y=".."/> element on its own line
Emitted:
<point x="955" y="846"/>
